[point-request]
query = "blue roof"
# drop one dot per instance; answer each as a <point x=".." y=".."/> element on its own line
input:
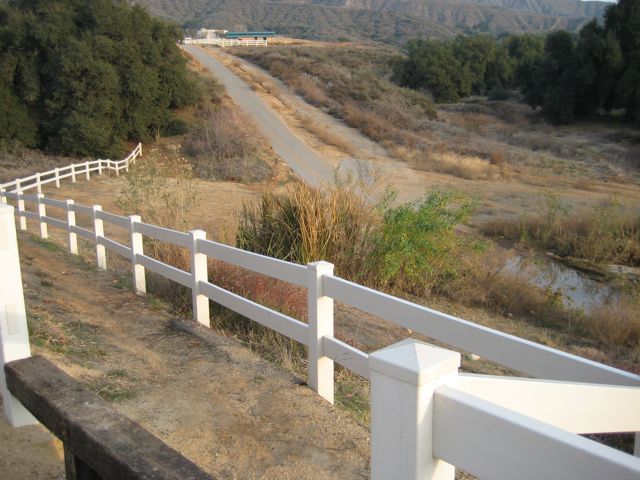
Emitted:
<point x="249" y="34"/>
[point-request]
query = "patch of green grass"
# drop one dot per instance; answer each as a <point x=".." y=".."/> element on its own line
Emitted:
<point x="114" y="386"/>
<point x="353" y="394"/>
<point x="46" y="244"/>
<point x="73" y="339"/>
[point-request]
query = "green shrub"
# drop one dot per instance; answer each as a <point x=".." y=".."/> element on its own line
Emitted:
<point x="416" y="248"/>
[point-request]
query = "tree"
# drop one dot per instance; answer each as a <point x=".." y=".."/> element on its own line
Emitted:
<point x="83" y="77"/>
<point x="622" y="21"/>
<point x="431" y="66"/>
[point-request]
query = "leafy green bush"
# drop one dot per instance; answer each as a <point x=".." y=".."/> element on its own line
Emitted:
<point x="416" y="248"/>
<point x="411" y="248"/>
<point x="82" y="78"/>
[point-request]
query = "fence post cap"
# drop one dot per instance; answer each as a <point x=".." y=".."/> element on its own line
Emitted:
<point x="69" y="201"/>
<point x="321" y="267"/>
<point x="198" y="233"/>
<point x="414" y="362"/>
<point x="6" y="209"/>
<point x="96" y="207"/>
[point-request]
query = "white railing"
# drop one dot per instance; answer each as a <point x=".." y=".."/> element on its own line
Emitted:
<point x="227" y="42"/>
<point x="426" y="417"/>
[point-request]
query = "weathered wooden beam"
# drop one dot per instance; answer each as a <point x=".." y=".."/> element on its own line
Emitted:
<point x="110" y="444"/>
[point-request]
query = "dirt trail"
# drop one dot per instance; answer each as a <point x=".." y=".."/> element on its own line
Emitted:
<point x="304" y="161"/>
<point x="236" y="415"/>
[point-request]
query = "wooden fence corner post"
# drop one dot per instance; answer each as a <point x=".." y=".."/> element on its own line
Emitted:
<point x="14" y="335"/>
<point x="87" y="173"/>
<point x="42" y="212"/>
<point x="38" y="183"/>
<point x="73" y="173"/>
<point x="98" y="232"/>
<point x="135" y="238"/>
<point x="57" y="172"/>
<point x="3" y="199"/>
<point x="199" y="273"/>
<point x="72" y="237"/>
<point x="404" y="377"/>
<point x="320" y="312"/>
<point x="99" y="166"/>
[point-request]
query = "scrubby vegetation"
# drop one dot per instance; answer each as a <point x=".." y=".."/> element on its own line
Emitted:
<point x="351" y="84"/>
<point x="82" y="78"/>
<point x="413" y="250"/>
<point x="607" y="233"/>
<point x="567" y="76"/>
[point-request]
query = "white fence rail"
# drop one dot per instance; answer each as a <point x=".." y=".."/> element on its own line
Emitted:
<point x="424" y="414"/>
<point x="227" y="42"/>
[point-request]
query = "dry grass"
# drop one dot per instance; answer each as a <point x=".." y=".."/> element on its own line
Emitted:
<point x="606" y="233"/>
<point x="616" y="324"/>
<point x="327" y="136"/>
<point x="304" y="224"/>
<point x="444" y="161"/>
<point x="223" y="146"/>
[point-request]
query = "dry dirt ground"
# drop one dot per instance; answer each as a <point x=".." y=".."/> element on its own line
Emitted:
<point x="217" y="403"/>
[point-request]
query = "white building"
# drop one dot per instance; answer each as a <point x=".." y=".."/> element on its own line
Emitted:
<point x="211" y="34"/>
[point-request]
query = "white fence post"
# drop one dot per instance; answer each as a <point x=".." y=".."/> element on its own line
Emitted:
<point x="72" y="238"/>
<point x="57" y="171"/>
<point x="404" y="377"/>
<point x="98" y="229"/>
<point x="99" y="166"/>
<point x="3" y="199"/>
<point x="199" y="273"/>
<point x="73" y="173"/>
<point x="139" y="279"/>
<point x="42" y="212"/>
<point x="87" y="173"/>
<point x="21" y="217"/>
<point x="320" y="311"/>
<point x="14" y="335"/>
<point x="38" y="183"/>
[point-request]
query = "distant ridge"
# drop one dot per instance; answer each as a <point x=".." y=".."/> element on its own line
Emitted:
<point x="389" y="21"/>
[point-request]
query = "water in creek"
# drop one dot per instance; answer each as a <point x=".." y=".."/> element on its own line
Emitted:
<point x="579" y="290"/>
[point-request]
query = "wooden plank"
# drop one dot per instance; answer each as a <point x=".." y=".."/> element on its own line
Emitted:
<point x="82" y="232"/>
<point x="54" y="203"/>
<point x="167" y="271"/>
<point x="509" y="350"/>
<point x="490" y="441"/>
<point x="272" y="267"/>
<point x="112" y="445"/>
<point x="575" y="407"/>
<point x="55" y="222"/>
<point x="114" y="219"/>
<point x="163" y="234"/>
<point x="349" y="357"/>
<point x="287" y="326"/>
<point x="76" y="207"/>
<point x="116" y="247"/>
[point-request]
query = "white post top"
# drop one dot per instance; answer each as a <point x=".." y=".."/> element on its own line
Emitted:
<point x="6" y="209"/>
<point x="414" y="362"/>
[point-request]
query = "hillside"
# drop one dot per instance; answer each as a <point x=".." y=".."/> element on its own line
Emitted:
<point x="389" y="21"/>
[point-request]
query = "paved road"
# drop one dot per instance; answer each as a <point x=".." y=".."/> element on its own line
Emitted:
<point x="304" y="161"/>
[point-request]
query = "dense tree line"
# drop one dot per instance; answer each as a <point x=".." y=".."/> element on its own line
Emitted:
<point x="567" y="75"/>
<point x="82" y="77"/>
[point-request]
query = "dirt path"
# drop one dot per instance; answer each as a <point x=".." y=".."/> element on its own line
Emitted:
<point x="236" y="415"/>
<point x="304" y="161"/>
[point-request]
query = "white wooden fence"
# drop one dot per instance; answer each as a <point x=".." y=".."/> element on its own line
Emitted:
<point x="426" y="417"/>
<point x="227" y="42"/>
